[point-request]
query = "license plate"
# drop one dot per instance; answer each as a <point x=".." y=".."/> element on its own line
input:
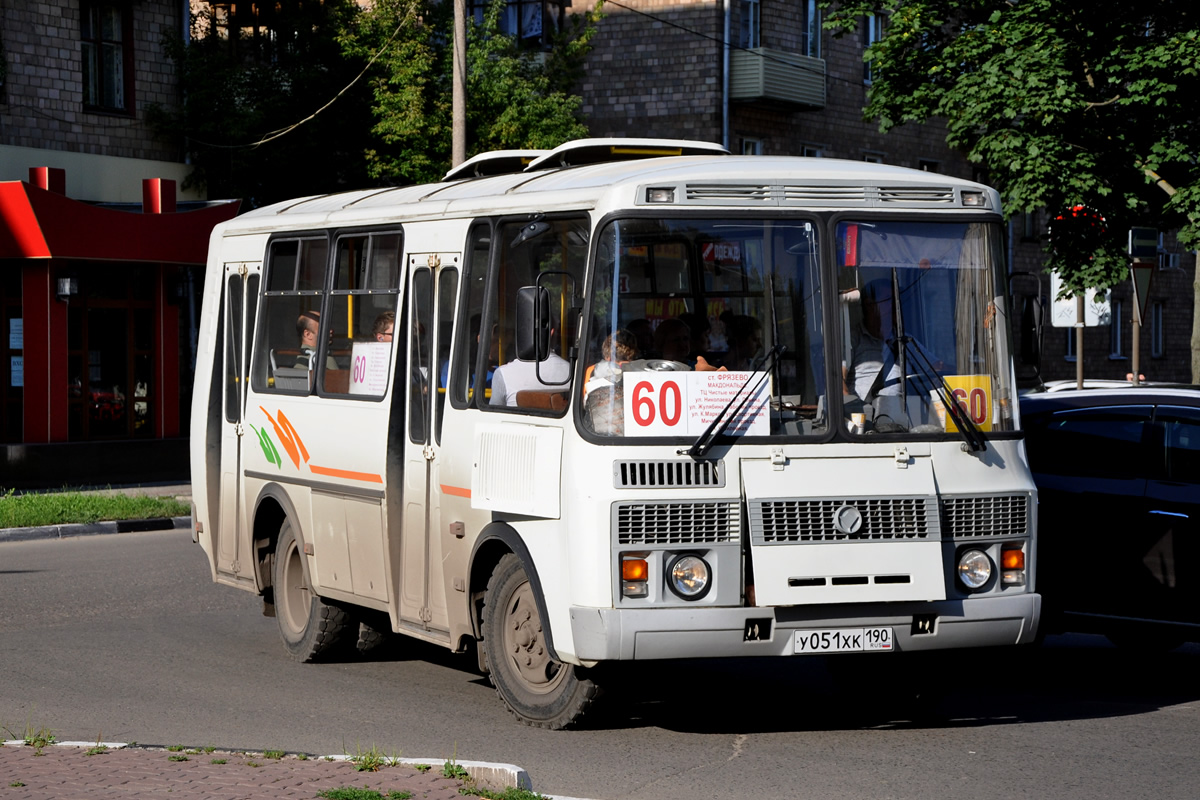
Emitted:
<point x="843" y="640"/>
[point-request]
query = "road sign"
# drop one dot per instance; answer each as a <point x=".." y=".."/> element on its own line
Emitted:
<point x="1062" y="314"/>
<point x="1143" y="243"/>
<point x="1141" y="271"/>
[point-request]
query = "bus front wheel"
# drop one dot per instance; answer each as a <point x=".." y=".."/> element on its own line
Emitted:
<point x="537" y="689"/>
<point x="310" y="627"/>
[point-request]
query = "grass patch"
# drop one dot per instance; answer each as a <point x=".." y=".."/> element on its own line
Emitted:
<point x="98" y="750"/>
<point x="219" y="761"/>
<point x="64" y="508"/>
<point x="16" y="784"/>
<point x="175" y="748"/>
<point x="35" y="737"/>
<point x="354" y="793"/>
<point x="373" y="760"/>
<point x="177" y="757"/>
<point x="511" y="793"/>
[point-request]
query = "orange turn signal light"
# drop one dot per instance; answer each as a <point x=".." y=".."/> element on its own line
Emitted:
<point x="1013" y="559"/>
<point x="634" y="569"/>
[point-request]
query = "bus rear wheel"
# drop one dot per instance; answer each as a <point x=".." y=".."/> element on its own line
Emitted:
<point x="311" y="628"/>
<point x="538" y="689"/>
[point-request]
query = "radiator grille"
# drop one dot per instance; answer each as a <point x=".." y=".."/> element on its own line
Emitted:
<point x="677" y="523"/>
<point x="997" y="515"/>
<point x="888" y="519"/>
<point x="668" y="474"/>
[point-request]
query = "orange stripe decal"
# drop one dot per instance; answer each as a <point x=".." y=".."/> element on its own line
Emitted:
<point x="346" y="473"/>
<point x="456" y="491"/>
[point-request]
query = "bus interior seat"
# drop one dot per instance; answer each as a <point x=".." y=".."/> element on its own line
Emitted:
<point x="290" y="378"/>
<point x="542" y="401"/>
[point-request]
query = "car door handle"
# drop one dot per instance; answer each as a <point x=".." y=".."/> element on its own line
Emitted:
<point x="1169" y="514"/>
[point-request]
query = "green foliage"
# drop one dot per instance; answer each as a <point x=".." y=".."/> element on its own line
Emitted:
<point x="514" y="100"/>
<point x="354" y="793"/>
<point x="62" y="508"/>
<point x="177" y="757"/>
<point x="1062" y="104"/>
<point x="237" y="91"/>
<point x="510" y="793"/>
<point x="455" y="771"/>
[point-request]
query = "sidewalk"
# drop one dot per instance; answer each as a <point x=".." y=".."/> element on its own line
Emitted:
<point x="81" y="769"/>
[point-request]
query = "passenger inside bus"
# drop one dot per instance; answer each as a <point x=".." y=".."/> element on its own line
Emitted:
<point x="619" y="349"/>
<point x="520" y="376"/>
<point x="385" y="324"/>
<point x="308" y="327"/>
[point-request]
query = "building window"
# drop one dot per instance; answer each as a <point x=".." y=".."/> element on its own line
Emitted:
<point x="812" y="151"/>
<point x="1029" y="227"/>
<point x="750" y="33"/>
<point x="927" y="165"/>
<point x="1116" y="345"/>
<point x="1156" y="330"/>
<point x="532" y="23"/>
<point x="872" y="157"/>
<point x="811" y="42"/>
<point x="106" y="50"/>
<point x="872" y="33"/>
<point x="1070" y="354"/>
<point x="752" y="147"/>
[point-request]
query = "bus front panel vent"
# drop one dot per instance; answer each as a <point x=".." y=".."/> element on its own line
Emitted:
<point x="995" y="515"/>
<point x="668" y="474"/>
<point x="647" y="524"/>
<point x="842" y="520"/>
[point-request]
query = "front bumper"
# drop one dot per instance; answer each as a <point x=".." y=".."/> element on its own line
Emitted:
<point x="609" y="634"/>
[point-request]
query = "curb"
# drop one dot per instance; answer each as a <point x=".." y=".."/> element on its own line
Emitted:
<point x="488" y="775"/>
<point x="93" y="528"/>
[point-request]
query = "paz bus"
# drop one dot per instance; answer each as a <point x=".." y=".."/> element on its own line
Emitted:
<point x="618" y="401"/>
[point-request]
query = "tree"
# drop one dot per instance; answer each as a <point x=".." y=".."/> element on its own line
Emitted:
<point x="514" y="101"/>
<point x="242" y="88"/>
<point x="1063" y="104"/>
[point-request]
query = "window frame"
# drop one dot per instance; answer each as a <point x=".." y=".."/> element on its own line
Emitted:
<point x="92" y="96"/>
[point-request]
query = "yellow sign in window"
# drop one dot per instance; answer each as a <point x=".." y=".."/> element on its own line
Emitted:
<point x="974" y="396"/>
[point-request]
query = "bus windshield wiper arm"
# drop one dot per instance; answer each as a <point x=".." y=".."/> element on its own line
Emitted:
<point x="723" y="418"/>
<point x="966" y="427"/>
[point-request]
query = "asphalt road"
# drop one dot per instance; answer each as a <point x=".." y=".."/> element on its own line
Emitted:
<point x="123" y="637"/>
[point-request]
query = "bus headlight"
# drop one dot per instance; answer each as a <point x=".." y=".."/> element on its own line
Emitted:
<point x="974" y="568"/>
<point x="689" y="576"/>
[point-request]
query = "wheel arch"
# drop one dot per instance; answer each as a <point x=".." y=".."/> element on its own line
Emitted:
<point x="495" y="541"/>
<point x="271" y="508"/>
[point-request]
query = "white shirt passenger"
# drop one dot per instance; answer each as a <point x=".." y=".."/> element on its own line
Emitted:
<point x="517" y="376"/>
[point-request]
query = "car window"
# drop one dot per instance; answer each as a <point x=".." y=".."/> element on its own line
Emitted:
<point x="1090" y="442"/>
<point x="1181" y="437"/>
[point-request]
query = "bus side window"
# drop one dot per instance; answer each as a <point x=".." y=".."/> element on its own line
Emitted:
<point x="362" y="314"/>
<point x="465" y="389"/>
<point x="527" y="250"/>
<point x="291" y="336"/>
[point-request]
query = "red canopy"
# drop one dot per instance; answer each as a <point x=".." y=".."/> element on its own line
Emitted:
<point x="35" y="223"/>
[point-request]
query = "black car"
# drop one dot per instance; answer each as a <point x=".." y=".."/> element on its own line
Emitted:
<point x="1118" y="477"/>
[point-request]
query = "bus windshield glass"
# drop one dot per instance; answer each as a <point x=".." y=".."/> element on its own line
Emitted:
<point x="684" y="313"/>
<point x="919" y="307"/>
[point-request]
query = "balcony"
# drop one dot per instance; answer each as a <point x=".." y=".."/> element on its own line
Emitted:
<point x="777" y="78"/>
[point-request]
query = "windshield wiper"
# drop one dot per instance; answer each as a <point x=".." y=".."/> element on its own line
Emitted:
<point x="966" y="427"/>
<point x="723" y="418"/>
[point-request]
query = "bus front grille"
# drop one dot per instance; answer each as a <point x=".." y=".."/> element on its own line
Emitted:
<point x="676" y="523"/>
<point x="995" y="515"/>
<point x="668" y="474"/>
<point x="841" y="520"/>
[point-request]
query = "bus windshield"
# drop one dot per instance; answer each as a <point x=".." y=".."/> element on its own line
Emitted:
<point x="683" y="314"/>
<point x="919" y="309"/>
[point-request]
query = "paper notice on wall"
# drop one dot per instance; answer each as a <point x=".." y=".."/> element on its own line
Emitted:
<point x="16" y="334"/>
<point x="369" y="367"/>
<point x="17" y="371"/>
<point x="686" y="403"/>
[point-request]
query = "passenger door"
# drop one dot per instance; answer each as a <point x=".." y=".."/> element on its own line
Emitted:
<point x="431" y="307"/>
<point x="241" y="303"/>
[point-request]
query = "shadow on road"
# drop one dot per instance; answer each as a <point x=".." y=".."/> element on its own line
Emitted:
<point x="1075" y="677"/>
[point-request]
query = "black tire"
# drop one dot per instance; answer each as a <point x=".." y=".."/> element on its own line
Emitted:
<point x="537" y="689"/>
<point x="311" y="628"/>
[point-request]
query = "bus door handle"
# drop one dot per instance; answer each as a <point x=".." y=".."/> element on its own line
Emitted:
<point x="427" y="451"/>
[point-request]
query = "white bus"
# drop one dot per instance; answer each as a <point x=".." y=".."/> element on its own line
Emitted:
<point x="624" y="400"/>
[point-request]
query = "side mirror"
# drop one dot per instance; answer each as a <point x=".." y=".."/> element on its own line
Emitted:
<point x="533" y="323"/>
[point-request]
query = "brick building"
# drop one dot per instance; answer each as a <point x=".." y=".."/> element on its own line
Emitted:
<point x="97" y="298"/>
<point x="659" y="68"/>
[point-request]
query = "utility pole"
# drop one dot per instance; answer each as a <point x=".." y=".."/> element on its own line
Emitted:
<point x="458" y="105"/>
